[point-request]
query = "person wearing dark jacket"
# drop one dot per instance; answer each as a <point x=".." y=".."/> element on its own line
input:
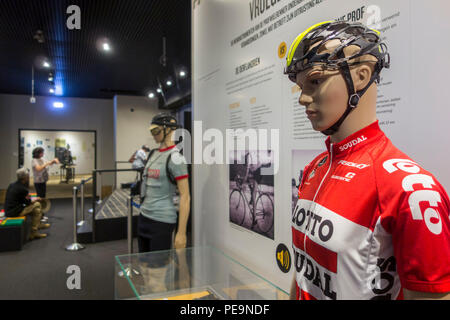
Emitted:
<point x="19" y="204"/>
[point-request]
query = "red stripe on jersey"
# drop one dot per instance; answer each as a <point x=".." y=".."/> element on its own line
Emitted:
<point x="306" y="296"/>
<point x="182" y="177"/>
<point x="323" y="256"/>
<point x="298" y="239"/>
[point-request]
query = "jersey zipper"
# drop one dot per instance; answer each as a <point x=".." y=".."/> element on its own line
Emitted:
<point x="318" y="189"/>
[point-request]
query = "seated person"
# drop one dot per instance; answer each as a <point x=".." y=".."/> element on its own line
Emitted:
<point x="19" y="204"/>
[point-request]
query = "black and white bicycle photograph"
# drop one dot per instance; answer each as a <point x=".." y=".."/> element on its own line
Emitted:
<point x="251" y="197"/>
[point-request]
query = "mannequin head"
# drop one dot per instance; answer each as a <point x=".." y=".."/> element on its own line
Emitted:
<point x="337" y="64"/>
<point x="325" y="94"/>
<point x="163" y="134"/>
<point x="162" y="129"/>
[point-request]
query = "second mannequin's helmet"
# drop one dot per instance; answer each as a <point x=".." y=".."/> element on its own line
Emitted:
<point x="165" y="120"/>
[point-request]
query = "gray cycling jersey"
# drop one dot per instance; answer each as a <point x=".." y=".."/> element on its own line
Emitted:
<point x="158" y="190"/>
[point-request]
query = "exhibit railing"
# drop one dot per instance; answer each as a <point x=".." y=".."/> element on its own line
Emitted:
<point x="98" y="182"/>
<point x="77" y="225"/>
<point x="75" y="246"/>
<point x="115" y="168"/>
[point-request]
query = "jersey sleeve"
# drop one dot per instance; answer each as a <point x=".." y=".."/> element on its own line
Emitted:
<point x="415" y="210"/>
<point x="178" y="166"/>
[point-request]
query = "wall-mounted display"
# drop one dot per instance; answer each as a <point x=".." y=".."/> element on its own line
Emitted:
<point x="74" y="148"/>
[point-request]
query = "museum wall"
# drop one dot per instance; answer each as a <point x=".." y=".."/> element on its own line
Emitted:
<point x="239" y="54"/>
<point x="16" y="112"/>
<point x="132" y="119"/>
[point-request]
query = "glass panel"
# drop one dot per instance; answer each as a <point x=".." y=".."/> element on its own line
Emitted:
<point x="201" y="273"/>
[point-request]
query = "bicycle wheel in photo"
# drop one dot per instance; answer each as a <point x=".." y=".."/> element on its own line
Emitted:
<point x="237" y="207"/>
<point x="264" y="212"/>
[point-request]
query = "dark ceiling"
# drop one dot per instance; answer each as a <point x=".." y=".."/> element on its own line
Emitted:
<point x="135" y="29"/>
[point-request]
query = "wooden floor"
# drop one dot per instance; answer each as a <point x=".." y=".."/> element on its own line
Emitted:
<point x="59" y="190"/>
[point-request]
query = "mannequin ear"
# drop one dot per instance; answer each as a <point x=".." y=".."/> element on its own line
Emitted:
<point x="361" y="76"/>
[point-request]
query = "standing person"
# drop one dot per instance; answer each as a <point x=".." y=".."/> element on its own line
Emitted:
<point x="40" y="172"/>
<point x="370" y="223"/>
<point x="19" y="204"/>
<point x="139" y="158"/>
<point x="165" y="171"/>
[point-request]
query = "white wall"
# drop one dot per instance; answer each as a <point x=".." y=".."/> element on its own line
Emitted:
<point x="131" y="129"/>
<point x="78" y="114"/>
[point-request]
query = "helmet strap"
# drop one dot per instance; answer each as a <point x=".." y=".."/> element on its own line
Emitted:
<point x="354" y="97"/>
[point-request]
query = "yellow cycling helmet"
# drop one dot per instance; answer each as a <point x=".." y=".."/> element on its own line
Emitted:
<point x="304" y="54"/>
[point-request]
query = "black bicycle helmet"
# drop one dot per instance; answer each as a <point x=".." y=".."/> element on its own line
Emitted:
<point x="165" y="120"/>
<point x="301" y="56"/>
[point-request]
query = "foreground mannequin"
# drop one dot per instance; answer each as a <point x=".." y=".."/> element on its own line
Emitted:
<point x="164" y="171"/>
<point x="158" y="214"/>
<point x="370" y="223"/>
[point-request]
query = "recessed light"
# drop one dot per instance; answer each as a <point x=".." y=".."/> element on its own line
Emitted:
<point x="52" y="90"/>
<point x="58" y="105"/>
<point x="169" y="83"/>
<point x="158" y="90"/>
<point x="106" y="46"/>
<point x="46" y="64"/>
<point x="182" y="74"/>
<point x="151" y="95"/>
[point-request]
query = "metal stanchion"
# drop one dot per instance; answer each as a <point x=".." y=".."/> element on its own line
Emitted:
<point x="129" y="271"/>
<point x="75" y="246"/>
<point x="100" y="183"/>
<point x="83" y="221"/>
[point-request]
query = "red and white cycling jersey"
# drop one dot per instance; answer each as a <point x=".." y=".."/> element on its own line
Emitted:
<point x="369" y="221"/>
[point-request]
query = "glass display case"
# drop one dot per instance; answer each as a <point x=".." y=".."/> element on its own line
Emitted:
<point x="200" y="273"/>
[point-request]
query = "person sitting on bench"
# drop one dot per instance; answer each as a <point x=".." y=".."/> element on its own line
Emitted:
<point x="18" y="204"/>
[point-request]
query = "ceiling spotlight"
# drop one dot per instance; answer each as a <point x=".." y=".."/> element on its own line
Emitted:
<point x="169" y="83"/>
<point x="158" y="90"/>
<point x="46" y="64"/>
<point x="182" y="74"/>
<point x="39" y="36"/>
<point x="106" y="47"/>
<point x="52" y="90"/>
<point x="50" y="79"/>
<point x="151" y="95"/>
<point x="58" y="105"/>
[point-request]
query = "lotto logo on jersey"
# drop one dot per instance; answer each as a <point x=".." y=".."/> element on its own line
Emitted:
<point x="413" y="183"/>
<point x="153" y="173"/>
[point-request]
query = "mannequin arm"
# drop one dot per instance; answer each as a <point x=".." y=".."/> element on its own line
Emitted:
<point x="185" y="200"/>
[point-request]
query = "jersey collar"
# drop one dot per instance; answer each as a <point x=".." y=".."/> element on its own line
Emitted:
<point x="355" y="141"/>
<point x="168" y="148"/>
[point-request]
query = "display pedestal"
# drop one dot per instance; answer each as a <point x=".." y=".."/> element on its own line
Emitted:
<point x="202" y="273"/>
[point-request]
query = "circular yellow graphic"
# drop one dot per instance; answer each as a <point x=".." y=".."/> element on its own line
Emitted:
<point x="282" y="50"/>
<point x="283" y="258"/>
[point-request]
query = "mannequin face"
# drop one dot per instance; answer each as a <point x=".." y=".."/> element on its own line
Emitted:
<point x="158" y="134"/>
<point x="324" y="95"/>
